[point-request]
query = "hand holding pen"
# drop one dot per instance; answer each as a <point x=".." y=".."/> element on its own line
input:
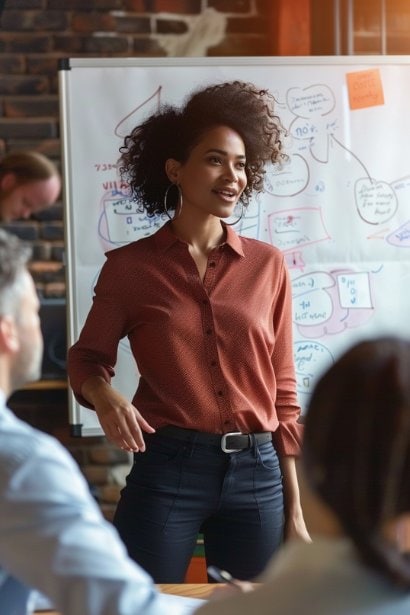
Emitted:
<point x="223" y="576"/>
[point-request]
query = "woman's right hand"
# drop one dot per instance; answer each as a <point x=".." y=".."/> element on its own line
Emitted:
<point x="122" y="423"/>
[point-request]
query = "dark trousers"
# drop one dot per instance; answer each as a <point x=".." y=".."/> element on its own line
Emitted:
<point x="177" y="489"/>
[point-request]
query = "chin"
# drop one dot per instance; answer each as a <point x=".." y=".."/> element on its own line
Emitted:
<point x="224" y="215"/>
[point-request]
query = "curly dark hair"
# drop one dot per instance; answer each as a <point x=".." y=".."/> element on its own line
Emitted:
<point x="174" y="132"/>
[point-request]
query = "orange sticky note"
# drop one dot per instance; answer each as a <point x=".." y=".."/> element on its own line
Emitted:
<point x="365" y="89"/>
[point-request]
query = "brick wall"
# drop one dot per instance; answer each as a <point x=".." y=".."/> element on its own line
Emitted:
<point x="34" y="35"/>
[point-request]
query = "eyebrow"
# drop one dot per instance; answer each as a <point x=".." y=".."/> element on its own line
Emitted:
<point x="213" y="150"/>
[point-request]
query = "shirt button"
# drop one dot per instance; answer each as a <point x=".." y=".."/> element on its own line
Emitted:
<point x="208" y="331"/>
<point x="220" y="393"/>
<point x="212" y="264"/>
<point x="205" y="301"/>
<point x="213" y="363"/>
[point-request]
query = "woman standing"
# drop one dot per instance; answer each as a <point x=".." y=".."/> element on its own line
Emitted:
<point x="213" y="424"/>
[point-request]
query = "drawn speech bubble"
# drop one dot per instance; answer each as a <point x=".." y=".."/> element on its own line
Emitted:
<point x="289" y="178"/>
<point x="313" y="101"/>
<point x="376" y="201"/>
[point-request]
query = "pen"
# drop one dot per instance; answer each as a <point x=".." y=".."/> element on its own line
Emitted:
<point x="222" y="576"/>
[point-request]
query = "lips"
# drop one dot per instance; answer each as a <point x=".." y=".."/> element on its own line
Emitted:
<point x="226" y="194"/>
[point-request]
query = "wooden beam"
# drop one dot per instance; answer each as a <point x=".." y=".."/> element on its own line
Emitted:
<point x="290" y="28"/>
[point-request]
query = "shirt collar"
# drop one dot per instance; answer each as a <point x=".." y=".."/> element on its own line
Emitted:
<point x="233" y="240"/>
<point x="165" y="238"/>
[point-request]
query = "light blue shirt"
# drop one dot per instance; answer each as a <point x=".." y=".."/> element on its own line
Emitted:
<point x="54" y="538"/>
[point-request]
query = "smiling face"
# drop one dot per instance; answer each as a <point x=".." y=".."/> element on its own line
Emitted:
<point x="213" y="177"/>
<point x="20" y="201"/>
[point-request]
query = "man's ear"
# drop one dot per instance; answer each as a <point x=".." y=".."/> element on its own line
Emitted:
<point x="9" y="339"/>
<point x="172" y="167"/>
<point x="8" y="182"/>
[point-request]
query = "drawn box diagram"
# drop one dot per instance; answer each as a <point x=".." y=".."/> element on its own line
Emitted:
<point x="124" y="222"/>
<point x="294" y="228"/>
<point x="354" y="290"/>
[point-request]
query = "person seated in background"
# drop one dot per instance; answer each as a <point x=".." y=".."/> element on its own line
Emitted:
<point x="52" y="534"/>
<point x="29" y="183"/>
<point x="356" y="463"/>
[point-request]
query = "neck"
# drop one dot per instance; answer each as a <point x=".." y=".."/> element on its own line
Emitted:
<point x="203" y="237"/>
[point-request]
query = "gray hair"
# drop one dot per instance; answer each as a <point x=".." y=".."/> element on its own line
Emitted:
<point x="14" y="256"/>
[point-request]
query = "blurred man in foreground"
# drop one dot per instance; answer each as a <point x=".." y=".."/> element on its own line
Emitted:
<point x="52" y="534"/>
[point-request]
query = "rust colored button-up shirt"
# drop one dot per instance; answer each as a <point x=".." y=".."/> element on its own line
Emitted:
<point x="213" y="355"/>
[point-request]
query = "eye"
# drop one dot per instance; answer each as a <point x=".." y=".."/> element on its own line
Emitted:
<point x="214" y="160"/>
<point x="241" y="164"/>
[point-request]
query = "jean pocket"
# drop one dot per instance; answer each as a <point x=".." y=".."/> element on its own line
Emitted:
<point x="268" y="458"/>
<point x="160" y="452"/>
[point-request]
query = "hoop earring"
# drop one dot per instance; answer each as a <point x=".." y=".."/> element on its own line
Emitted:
<point x="178" y="208"/>
<point x="238" y="219"/>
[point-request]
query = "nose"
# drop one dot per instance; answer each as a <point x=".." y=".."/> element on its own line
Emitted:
<point x="230" y="173"/>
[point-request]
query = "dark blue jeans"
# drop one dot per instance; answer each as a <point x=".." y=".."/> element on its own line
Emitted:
<point x="177" y="489"/>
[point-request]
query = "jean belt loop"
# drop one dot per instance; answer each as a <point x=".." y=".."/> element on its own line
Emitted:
<point x="255" y="449"/>
<point x="192" y="443"/>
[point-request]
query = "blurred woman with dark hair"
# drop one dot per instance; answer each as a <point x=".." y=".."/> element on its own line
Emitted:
<point x="356" y="463"/>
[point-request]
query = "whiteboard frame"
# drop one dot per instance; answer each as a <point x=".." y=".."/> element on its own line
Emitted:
<point x="68" y="64"/>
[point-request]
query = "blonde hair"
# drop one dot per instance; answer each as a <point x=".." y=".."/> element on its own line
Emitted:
<point x="28" y="166"/>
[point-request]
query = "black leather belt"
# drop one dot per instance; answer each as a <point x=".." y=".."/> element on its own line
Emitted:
<point x="231" y="442"/>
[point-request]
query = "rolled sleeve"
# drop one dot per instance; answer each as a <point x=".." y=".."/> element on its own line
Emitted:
<point x="288" y="436"/>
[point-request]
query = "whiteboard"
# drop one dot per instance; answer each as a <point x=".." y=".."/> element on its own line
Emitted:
<point x="339" y="208"/>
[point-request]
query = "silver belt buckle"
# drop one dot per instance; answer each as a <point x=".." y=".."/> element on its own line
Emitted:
<point x="223" y="441"/>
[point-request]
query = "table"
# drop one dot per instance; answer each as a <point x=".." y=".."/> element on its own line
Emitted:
<point x="192" y="590"/>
